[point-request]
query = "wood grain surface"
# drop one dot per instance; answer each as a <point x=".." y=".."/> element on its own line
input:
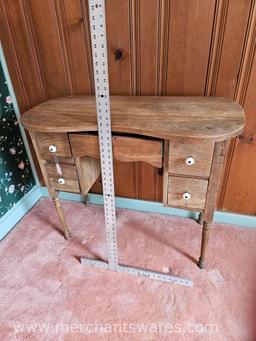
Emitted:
<point x="69" y="174"/>
<point x="177" y="186"/>
<point x="210" y="118"/>
<point x="125" y="148"/>
<point x="201" y="152"/>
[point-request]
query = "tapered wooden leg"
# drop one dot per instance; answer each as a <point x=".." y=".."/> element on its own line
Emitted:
<point x="200" y="219"/>
<point x="60" y="212"/>
<point x="86" y="200"/>
<point x="205" y="238"/>
<point x="59" y="209"/>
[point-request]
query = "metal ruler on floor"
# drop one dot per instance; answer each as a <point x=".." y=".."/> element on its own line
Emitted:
<point x="101" y="79"/>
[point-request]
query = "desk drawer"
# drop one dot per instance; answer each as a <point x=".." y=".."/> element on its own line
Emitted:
<point x="186" y="192"/>
<point x="190" y="159"/>
<point x="60" y="141"/>
<point x="68" y="181"/>
<point x="125" y="148"/>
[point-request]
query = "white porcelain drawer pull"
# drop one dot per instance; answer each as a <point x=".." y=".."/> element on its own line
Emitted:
<point x="52" y="148"/>
<point x="186" y="196"/>
<point x="190" y="161"/>
<point x="61" y="181"/>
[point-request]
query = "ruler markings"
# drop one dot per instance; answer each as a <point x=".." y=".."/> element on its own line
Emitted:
<point x="100" y="68"/>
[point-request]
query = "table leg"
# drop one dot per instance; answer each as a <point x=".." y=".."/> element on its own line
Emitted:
<point x="204" y="243"/>
<point x="200" y="219"/>
<point x="59" y="209"/>
<point x="86" y="199"/>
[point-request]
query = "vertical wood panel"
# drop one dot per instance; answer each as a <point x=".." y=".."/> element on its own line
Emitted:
<point x="119" y="27"/>
<point x="230" y="26"/>
<point x="148" y="53"/>
<point x="233" y="43"/>
<point x="240" y="194"/>
<point x="19" y="40"/>
<point x="163" y="45"/>
<point x="177" y="47"/>
<point x="241" y="186"/>
<point x="75" y="25"/>
<point x="189" y="44"/>
<point x="118" y="31"/>
<point x="51" y="48"/>
<point x="125" y="179"/>
<point x="11" y="58"/>
<point x="149" y="183"/>
<point x="148" y="28"/>
<point x="218" y="31"/>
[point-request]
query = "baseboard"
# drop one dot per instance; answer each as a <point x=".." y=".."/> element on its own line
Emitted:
<point x="11" y="218"/>
<point x="155" y="207"/>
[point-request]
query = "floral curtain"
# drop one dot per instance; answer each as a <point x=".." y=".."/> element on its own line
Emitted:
<point x="16" y="177"/>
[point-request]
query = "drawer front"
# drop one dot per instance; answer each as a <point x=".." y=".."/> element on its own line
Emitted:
<point x="190" y="159"/>
<point x="59" y="141"/>
<point x="187" y="192"/>
<point x="125" y="148"/>
<point x="68" y="181"/>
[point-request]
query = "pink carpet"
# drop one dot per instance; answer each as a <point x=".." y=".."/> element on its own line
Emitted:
<point x="46" y="294"/>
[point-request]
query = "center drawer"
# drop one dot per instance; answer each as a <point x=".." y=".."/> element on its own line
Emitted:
<point x="190" y="158"/>
<point x="125" y="148"/>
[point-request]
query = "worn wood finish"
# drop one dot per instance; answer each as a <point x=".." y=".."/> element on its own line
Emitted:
<point x="69" y="174"/>
<point x="60" y="141"/>
<point x="41" y="161"/>
<point x="59" y="209"/>
<point x="201" y="152"/>
<point x="204" y="244"/>
<point x="131" y="149"/>
<point x="161" y="117"/>
<point x="216" y="169"/>
<point x="88" y="170"/>
<point x="125" y="148"/>
<point x="184" y="187"/>
<point x="177" y="186"/>
<point x="195" y="48"/>
<point x="210" y="205"/>
<point x="53" y="193"/>
<point x="84" y="145"/>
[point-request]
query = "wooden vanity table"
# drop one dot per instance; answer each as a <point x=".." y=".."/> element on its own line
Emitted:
<point x="186" y="136"/>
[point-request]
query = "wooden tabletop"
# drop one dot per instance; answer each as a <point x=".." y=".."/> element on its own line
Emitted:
<point x="164" y="117"/>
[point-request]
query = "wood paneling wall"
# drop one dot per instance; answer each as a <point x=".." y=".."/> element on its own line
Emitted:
<point x="170" y="47"/>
